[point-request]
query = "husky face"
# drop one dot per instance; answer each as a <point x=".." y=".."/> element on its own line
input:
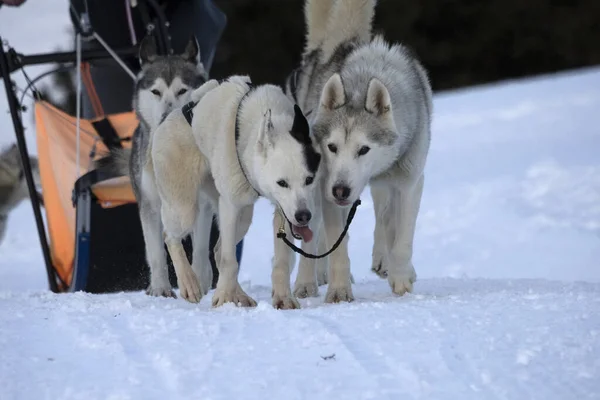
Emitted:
<point x="358" y="137"/>
<point x="166" y="82"/>
<point x="287" y="167"/>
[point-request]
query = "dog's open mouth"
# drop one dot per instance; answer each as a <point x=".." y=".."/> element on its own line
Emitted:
<point x="301" y="232"/>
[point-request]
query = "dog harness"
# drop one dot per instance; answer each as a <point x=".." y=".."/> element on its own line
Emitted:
<point x="188" y="113"/>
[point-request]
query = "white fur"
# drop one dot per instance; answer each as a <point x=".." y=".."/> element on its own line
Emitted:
<point x="193" y="282"/>
<point x="267" y="154"/>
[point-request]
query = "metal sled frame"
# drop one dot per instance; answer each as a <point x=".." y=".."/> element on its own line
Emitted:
<point x="82" y="196"/>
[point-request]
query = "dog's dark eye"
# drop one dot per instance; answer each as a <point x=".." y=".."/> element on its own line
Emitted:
<point x="282" y="183"/>
<point x="155" y="92"/>
<point x="309" y="180"/>
<point x="332" y="147"/>
<point x="363" y="150"/>
<point x="182" y="91"/>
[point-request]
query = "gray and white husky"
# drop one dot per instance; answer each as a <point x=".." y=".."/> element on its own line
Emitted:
<point x="369" y="103"/>
<point x="13" y="186"/>
<point x="238" y="143"/>
<point x="164" y="83"/>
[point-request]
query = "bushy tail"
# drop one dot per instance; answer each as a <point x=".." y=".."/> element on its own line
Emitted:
<point x="115" y="162"/>
<point x="316" y="15"/>
<point x="331" y="23"/>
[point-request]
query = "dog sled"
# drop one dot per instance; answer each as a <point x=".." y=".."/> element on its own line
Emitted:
<point x="93" y="240"/>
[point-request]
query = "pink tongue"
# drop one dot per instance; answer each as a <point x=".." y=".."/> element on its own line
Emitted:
<point x="304" y="232"/>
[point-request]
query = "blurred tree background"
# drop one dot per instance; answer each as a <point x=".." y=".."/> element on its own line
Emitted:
<point x="460" y="42"/>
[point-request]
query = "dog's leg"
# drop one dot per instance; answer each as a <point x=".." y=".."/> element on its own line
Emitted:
<point x="283" y="261"/>
<point x="340" y="284"/>
<point x="244" y="222"/>
<point x="187" y="280"/>
<point x="306" y="282"/>
<point x="322" y="264"/>
<point x="201" y="235"/>
<point x="179" y="219"/>
<point x="228" y="289"/>
<point x="156" y="256"/>
<point x="381" y="196"/>
<point x="401" y="232"/>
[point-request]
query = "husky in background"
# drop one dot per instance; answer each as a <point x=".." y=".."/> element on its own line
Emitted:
<point x="369" y="104"/>
<point x="250" y="142"/>
<point x="163" y="84"/>
<point x="13" y="186"/>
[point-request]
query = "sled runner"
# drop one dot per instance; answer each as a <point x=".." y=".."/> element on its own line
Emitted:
<point x="93" y="240"/>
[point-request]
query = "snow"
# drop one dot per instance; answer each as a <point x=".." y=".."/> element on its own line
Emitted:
<point x="506" y="306"/>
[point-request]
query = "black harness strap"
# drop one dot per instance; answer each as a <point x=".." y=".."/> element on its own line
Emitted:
<point x="188" y="111"/>
<point x="283" y="236"/>
<point x="107" y="133"/>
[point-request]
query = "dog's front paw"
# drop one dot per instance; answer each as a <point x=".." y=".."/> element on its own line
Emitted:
<point x="285" y="301"/>
<point x="189" y="286"/>
<point x="302" y="290"/>
<point x="337" y="294"/>
<point x="402" y="281"/>
<point x="160" y="292"/>
<point x="236" y="296"/>
<point x="378" y="267"/>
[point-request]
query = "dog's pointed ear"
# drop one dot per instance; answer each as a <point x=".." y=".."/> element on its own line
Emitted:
<point x="266" y="129"/>
<point x="192" y="51"/>
<point x="300" y="128"/>
<point x="333" y="95"/>
<point x="378" y="100"/>
<point x="147" y="52"/>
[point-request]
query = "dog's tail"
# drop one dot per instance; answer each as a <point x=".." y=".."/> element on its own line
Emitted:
<point x="316" y="15"/>
<point x="330" y="23"/>
<point x="116" y="161"/>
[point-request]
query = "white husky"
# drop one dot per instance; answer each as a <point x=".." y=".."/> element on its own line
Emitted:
<point x="369" y="105"/>
<point x="237" y="143"/>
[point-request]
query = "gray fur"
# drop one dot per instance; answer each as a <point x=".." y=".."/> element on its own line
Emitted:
<point x="363" y="93"/>
<point x="169" y="76"/>
<point x="13" y="185"/>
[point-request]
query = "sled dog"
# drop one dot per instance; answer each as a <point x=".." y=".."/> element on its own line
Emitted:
<point x="164" y="83"/>
<point x="13" y="186"/>
<point x="239" y="142"/>
<point x="369" y="104"/>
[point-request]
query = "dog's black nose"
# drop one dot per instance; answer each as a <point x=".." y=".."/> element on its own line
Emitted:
<point x="341" y="192"/>
<point x="303" y="216"/>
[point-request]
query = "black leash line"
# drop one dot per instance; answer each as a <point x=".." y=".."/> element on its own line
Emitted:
<point x="283" y="236"/>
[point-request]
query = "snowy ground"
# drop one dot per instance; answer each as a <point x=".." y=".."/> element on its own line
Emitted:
<point x="507" y="305"/>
